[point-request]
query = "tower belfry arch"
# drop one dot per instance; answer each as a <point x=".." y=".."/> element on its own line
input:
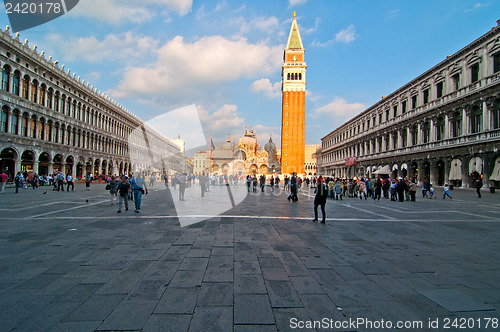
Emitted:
<point x="293" y="103"/>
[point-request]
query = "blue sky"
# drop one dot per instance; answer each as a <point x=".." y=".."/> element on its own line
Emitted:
<point x="154" y="56"/>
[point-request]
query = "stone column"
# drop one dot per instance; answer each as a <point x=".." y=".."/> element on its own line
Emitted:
<point x="36" y="165"/>
<point x="432" y="129"/>
<point x="465" y="122"/>
<point x="447" y="166"/>
<point x="486" y="176"/>
<point x="419" y="135"/>
<point x="17" y="166"/>
<point x="465" y="172"/>
<point x="420" y="175"/>
<point x="51" y="168"/>
<point x="432" y="175"/>
<point x="486" y="116"/>
<point x="447" y="133"/>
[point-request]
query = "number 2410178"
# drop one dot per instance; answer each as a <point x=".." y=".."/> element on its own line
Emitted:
<point x="33" y="8"/>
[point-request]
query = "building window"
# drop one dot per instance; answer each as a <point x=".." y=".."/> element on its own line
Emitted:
<point x="474" y="73"/>
<point x="426" y="133"/>
<point x="439" y="90"/>
<point x="15" y="83"/>
<point x="6" y="78"/>
<point x="495" y="119"/>
<point x="368" y="124"/>
<point x="403" y="138"/>
<point x="403" y="107"/>
<point x="475" y="122"/>
<point x="14" y="124"/>
<point x="24" y="126"/>
<point x="395" y="111"/>
<point x="34" y="91"/>
<point x="456" y="81"/>
<point x="4" y="124"/>
<point x="26" y="87"/>
<point x="440" y="129"/>
<point x="426" y="96"/>
<point x="496" y="63"/>
<point x="413" y="102"/>
<point x="456" y="125"/>
<point x="387" y="115"/>
<point x="414" y="135"/>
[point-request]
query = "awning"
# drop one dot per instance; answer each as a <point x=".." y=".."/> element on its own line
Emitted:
<point x="495" y="175"/>
<point x="456" y="170"/>
<point x="386" y="170"/>
<point x="404" y="166"/>
<point x="395" y="167"/>
<point x="476" y="165"/>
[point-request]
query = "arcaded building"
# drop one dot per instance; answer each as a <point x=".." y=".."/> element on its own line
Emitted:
<point x="52" y="120"/>
<point x="443" y="125"/>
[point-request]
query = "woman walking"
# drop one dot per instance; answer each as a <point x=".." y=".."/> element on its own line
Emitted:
<point x="320" y="199"/>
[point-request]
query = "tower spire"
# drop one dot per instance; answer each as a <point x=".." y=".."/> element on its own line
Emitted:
<point x="294" y="40"/>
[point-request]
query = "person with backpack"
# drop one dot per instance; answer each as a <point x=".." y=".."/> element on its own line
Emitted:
<point x="18" y="179"/>
<point x="294" y="188"/>
<point x="138" y="189"/>
<point x="113" y="188"/>
<point x="122" y="191"/>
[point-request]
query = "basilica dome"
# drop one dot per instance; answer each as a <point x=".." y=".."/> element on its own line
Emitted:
<point x="270" y="146"/>
<point x="248" y="141"/>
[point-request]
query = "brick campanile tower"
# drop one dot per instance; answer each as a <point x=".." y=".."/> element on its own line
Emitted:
<point x="293" y="108"/>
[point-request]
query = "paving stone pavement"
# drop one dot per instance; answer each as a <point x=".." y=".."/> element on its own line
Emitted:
<point x="69" y="262"/>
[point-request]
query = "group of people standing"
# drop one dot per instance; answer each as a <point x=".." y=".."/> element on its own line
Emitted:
<point x="127" y="188"/>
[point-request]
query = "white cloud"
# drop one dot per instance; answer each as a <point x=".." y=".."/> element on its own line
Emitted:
<point x="119" y="12"/>
<point x="263" y="134"/>
<point x="339" y="109"/>
<point x="265" y="86"/>
<point x="317" y="43"/>
<point x="93" y="76"/>
<point x="222" y="121"/>
<point x="392" y="14"/>
<point x="475" y="7"/>
<point x="183" y="67"/>
<point x="257" y="23"/>
<point x="347" y="35"/>
<point x="112" y="47"/>
<point x="292" y="3"/>
<point x="305" y="31"/>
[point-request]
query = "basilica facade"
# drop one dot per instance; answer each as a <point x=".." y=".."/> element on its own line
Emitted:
<point x="443" y="126"/>
<point x="52" y="120"/>
<point x="244" y="157"/>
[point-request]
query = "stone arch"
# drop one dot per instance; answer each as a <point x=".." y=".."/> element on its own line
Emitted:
<point x="44" y="162"/>
<point x="57" y="162"/>
<point x="28" y="160"/>
<point x="8" y="158"/>
<point x="69" y="163"/>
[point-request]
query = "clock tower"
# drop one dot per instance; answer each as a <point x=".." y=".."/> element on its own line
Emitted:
<point x="293" y="108"/>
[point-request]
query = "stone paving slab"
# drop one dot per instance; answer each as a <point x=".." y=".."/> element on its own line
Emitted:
<point x="71" y="265"/>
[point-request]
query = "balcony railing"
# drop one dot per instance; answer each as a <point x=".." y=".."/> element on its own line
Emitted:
<point x="484" y="83"/>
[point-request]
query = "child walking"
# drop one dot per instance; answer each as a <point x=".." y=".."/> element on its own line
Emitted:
<point x="446" y="191"/>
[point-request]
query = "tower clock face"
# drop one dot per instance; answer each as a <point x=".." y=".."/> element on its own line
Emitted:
<point x="294" y="58"/>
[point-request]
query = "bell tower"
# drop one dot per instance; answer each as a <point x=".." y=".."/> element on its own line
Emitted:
<point x="293" y="87"/>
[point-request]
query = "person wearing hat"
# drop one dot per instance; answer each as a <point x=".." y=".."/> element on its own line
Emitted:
<point x="320" y="199"/>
